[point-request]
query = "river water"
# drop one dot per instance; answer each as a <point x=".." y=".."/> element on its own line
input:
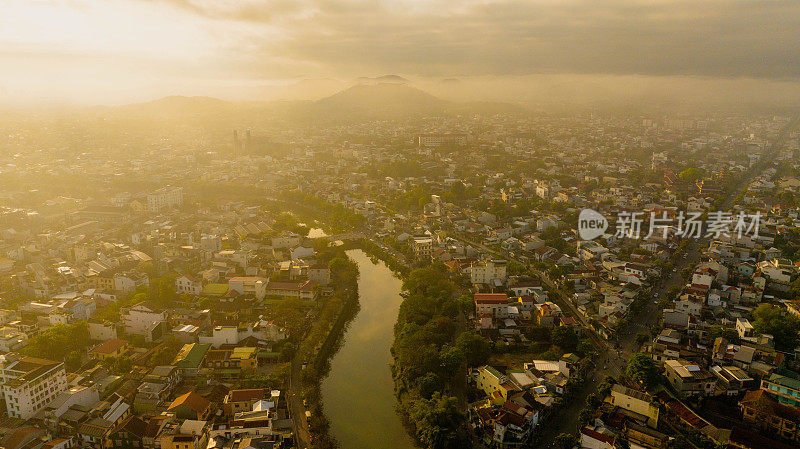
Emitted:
<point x="358" y="393"/>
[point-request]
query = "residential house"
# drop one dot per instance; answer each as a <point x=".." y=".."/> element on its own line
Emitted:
<point x="191" y="406"/>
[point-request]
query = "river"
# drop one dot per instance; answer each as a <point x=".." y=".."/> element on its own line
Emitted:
<point x="358" y="393"/>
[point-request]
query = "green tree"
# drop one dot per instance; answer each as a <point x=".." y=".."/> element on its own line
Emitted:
<point x="727" y="333"/>
<point x="121" y="365"/>
<point x="566" y="338"/>
<point x="57" y="341"/>
<point x="436" y="420"/>
<point x="642" y="369"/>
<point x="565" y="441"/>
<point x="782" y="326"/>
<point x="691" y="174"/>
<point x="476" y="348"/>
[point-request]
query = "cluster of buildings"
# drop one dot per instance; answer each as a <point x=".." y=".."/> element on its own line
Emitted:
<point x="182" y="300"/>
<point x="494" y="198"/>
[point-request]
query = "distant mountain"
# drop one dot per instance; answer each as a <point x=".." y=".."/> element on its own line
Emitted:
<point x="396" y="79"/>
<point x="357" y="103"/>
<point x="309" y="89"/>
<point x="178" y="105"/>
<point x="382" y="99"/>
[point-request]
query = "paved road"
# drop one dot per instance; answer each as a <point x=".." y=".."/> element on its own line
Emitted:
<point x="296" y="410"/>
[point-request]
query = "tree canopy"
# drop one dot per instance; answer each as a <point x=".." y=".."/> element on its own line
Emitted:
<point x="642" y="368"/>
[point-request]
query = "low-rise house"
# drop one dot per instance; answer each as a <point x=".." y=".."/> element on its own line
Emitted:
<point x="12" y="340"/>
<point x="731" y="380"/>
<point x="768" y="415"/>
<point x="190" y="406"/>
<point x="130" y="281"/>
<point x="110" y="349"/>
<point x="188" y="284"/>
<point x="128" y="435"/>
<point x="689" y="378"/>
<point x="86" y="397"/>
<point x="494" y="304"/>
<point x="636" y="402"/>
<point x="190" y="359"/>
<point x="231" y="363"/>
<point x="237" y="401"/>
<point x="496" y="385"/>
<point x="784" y="388"/>
<point x="301" y="290"/>
<point x="249" y="285"/>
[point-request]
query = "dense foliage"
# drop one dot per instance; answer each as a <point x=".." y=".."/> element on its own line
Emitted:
<point x="59" y="341"/>
<point x="642" y="369"/>
<point x="776" y="322"/>
<point x="430" y="354"/>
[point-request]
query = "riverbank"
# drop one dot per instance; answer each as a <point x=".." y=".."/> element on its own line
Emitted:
<point x="432" y="350"/>
<point x="312" y="360"/>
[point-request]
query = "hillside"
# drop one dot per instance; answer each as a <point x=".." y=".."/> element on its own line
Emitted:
<point x="382" y="99"/>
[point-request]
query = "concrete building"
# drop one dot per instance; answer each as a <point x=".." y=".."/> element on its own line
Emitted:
<point x="29" y="384"/>
<point x="165" y="197"/>
<point x="636" y="402"/>
<point x="491" y="272"/>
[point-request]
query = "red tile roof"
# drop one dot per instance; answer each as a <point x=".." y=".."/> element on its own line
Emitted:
<point x="491" y="298"/>
<point x="246" y="395"/>
<point x="191" y="400"/>
<point x="109" y="346"/>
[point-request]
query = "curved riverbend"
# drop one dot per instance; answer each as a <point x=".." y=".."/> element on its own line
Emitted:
<point x="358" y="394"/>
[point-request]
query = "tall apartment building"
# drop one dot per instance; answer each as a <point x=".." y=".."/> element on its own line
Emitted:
<point x="488" y="272"/>
<point x="165" y="197"/>
<point x="422" y="246"/>
<point x="29" y="384"/>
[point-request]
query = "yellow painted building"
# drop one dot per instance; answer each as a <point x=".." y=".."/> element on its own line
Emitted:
<point x="636" y="402"/>
<point x="496" y="386"/>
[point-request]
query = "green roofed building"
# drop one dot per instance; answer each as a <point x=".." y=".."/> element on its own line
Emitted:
<point x="784" y="388"/>
<point x="190" y="358"/>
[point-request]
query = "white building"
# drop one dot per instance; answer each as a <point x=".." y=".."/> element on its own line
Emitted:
<point x="249" y="285"/>
<point x="231" y="335"/>
<point x="494" y="304"/>
<point x="129" y="282"/>
<point x="488" y="272"/>
<point x="165" y="197"/>
<point x="188" y="284"/>
<point x="12" y="339"/>
<point x="422" y="246"/>
<point x="30" y="384"/>
<point x="140" y="319"/>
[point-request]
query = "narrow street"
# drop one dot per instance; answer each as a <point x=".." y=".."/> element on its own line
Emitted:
<point x="297" y="411"/>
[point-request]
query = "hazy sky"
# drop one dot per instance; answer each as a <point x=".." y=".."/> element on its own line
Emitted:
<point x="116" y="50"/>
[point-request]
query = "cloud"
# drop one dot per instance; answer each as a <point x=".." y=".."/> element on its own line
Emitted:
<point x="251" y="40"/>
<point x="714" y="38"/>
